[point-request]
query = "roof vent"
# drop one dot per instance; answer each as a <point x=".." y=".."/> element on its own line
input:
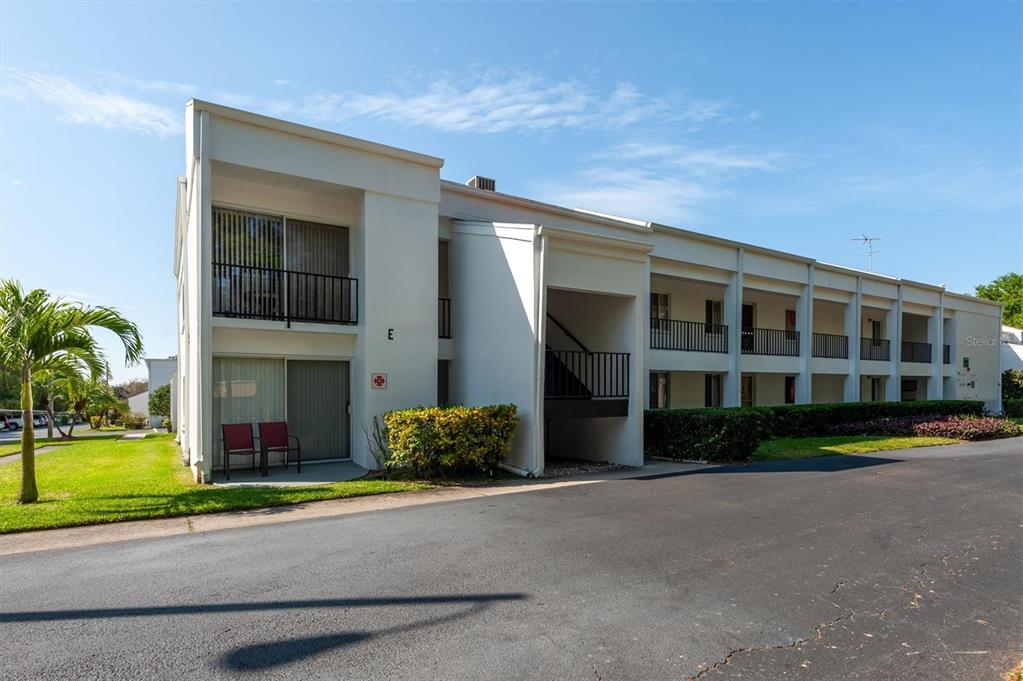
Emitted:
<point x="480" y="182"/>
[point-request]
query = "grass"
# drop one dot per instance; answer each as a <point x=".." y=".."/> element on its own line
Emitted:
<point x="809" y="447"/>
<point x="94" y="480"/>
<point x="10" y="448"/>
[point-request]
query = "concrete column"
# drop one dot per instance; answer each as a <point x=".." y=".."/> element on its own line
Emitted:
<point x="645" y="323"/>
<point x="731" y="311"/>
<point x="203" y="424"/>
<point x="853" y="326"/>
<point x="935" y="336"/>
<point x="893" y="323"/>
<point x="804" y="327"/>
<point x="953" y="338"/>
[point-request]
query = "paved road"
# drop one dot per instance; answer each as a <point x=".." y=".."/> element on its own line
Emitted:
<point x="905" y="567"/>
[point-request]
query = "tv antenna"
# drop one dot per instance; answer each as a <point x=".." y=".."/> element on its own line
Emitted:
<point x="868" y="243"/>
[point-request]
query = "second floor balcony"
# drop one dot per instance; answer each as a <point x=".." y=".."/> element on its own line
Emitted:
<point x="675" y="334"/>
<point x="916" y="352"/>
<point x="875" y="349"/>
<point x="775" y="342"/>
<point x="284" y="295"/>
<point x="829" y="345"/>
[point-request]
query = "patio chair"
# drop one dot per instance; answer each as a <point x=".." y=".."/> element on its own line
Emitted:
<point x="274" y="437"/>
<point x="239" y="441"/>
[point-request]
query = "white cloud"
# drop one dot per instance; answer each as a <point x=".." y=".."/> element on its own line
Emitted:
<point x="76" y="104"/>
<point x="519" y="103"/>
<point x="17" y="182"/>
<point x="282" y="81"/>
<point x="662" y="182"/>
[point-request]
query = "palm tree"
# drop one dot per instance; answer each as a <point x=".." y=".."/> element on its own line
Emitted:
<point x="40" y="333"/>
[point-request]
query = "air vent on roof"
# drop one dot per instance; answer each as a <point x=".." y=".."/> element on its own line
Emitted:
<point x="480" y="182"/>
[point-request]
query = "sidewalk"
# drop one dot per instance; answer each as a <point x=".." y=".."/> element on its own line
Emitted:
<point x="94" y="535"/>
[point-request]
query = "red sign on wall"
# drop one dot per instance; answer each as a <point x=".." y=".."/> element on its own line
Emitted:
<point x="378" y="381"/>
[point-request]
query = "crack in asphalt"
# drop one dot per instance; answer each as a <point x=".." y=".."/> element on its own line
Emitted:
<point x="818" y="633"/>
<point x="923" y="580"/>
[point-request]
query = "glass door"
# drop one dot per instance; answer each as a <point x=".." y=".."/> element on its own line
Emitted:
<point x="318" y="395"/>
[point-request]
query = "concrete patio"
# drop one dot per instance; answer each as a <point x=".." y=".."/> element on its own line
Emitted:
<point x="313" y="473"/>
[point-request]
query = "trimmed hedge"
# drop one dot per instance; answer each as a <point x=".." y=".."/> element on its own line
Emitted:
<point x="811" y="420"/>
<point x="734" y="433"/>
<point x="713" y="434"/>
<point x="1013" y="408"/>
<point x="446" y="441"/>
<point x="968" y="428"/>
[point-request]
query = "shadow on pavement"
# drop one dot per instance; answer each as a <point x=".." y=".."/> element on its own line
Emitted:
<point x="211" y="608"/>
<point x="822" y="464"/>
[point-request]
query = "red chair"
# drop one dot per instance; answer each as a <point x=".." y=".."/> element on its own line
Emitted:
<point x="274" y="437"/>
<point x="239" y="441"/>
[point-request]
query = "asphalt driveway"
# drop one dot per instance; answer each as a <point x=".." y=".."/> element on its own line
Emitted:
<point x="906" y="566"/>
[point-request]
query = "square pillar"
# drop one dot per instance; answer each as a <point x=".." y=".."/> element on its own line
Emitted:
<point x="804" y="327"/>
<point x="731" y="312"/>
<point x="853" y="325"/>
<point x="935" y="336"/>
<point x="893" y="323"/>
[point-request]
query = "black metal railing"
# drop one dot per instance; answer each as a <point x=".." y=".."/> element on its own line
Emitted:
<point x="285" y="295"/>
<point x="830" y="345"/>
<point x="444" y="318"/>
<point x="675" y="334"/>
<point x="916" y="352"/>
<point x="875" y="349"/>
<point x="778" y="342"/>
<point x="576" y="374"/>
<point x="946" y="354"/>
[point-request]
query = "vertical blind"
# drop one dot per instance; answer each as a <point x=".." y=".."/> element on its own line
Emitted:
<point x="246" y="390"/>
<point x="258" y="240"/>
<point x="318" y="407"/>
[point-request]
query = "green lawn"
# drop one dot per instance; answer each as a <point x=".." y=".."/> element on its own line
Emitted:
<point x="809" y="447"/>
<point x="102" y="480"/>
<point x="9" y="448"/>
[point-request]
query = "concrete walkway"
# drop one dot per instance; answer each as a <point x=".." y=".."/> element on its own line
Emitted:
<point x="91" y="535"/>
<point x="11" y="458"/>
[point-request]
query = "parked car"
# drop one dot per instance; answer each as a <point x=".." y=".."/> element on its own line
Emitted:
<point x="39" y="420"/>
<point x="13" y="422"/>
<point x="3" y="423"/>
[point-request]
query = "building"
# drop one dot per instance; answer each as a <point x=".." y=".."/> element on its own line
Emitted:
<point x="1012" y="348"/>
<point x="326" y="280"/>
<point x="160" y="372"/>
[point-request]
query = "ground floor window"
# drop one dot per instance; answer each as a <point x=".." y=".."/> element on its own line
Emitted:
<point x="746" y="391"/>
<point x="712" y="390"/>
<point x="909" y="388"/>
<point x="790" y="390"/>
<point x="443" y="382"/>
<point x="875" y="389"/>
<point x="660" y="389"/>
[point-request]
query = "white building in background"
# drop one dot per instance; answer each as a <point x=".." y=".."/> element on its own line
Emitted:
<point x="1012" y="348"/>
<point x="160" y="372"/>
<point x="325" y="280"/>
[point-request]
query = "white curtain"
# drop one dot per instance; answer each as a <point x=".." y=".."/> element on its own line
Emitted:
<point x="246" y="390"/>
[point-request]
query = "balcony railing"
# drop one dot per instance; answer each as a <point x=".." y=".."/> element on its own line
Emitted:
<point x="916" y="352"/>
<point x="284" y="295"/>
<point x="777" y="342"/>
<point x="577" y="374"/>
<point x="946" y="354"/>
<point x="673" y="334"/>
<point x="444" y="318"/>
<point x="875" y="349"/>
<point x="831" y="346"/>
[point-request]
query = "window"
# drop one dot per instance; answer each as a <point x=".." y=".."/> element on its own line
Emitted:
<point x="660" y="306"/>
<point x="746" y="391"/>
<point x="875" y="389"/>
<point x="875" y="331"/>
<point x="790" y="390"/>
<point x="790" y="325"/>
<point x="712" y="390"/>
<point x="660" y="389"/>
<point x="909" y="388"/>
<point x="713" y="316"/>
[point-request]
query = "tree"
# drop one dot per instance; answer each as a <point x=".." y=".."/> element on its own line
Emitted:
<point x="85" y="394"/>
<point x="39" y="333"/>
<point x="1007" y="290"/>
<point x="159" y="401"/>
<point x="135" y="386"/>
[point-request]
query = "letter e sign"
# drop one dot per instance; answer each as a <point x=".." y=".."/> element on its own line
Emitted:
<point x="378" y="381"/>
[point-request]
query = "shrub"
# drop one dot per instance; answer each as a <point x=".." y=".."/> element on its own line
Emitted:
<point x="811" y="420"/>
<point x="135" y="421"/>
<point x="95" y="422"/>
<point x="445" y="441"/>
<point x="713" y="434"/>
<point x="1012" y="384"/>
<point x="955" y="427"/>
<point x="1013" y="408"/>
<point x="959" y="428"/>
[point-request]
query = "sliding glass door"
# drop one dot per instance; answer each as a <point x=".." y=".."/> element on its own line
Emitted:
<point x="318" y="408"/>
<point x="245" y="390"/>
<point x="311" y="395"/>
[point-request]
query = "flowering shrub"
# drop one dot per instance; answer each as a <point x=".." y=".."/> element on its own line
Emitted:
<point x="955" y="427"/>
<point x="443" y="441"/>
<point x="960" y="428"/>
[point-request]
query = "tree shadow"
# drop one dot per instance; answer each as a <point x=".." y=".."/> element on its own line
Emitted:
<point x="820" y="464"/>
<point x="260" y="657"/>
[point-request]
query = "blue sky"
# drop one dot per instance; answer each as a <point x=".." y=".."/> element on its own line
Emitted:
<point x="790" y="125"/>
